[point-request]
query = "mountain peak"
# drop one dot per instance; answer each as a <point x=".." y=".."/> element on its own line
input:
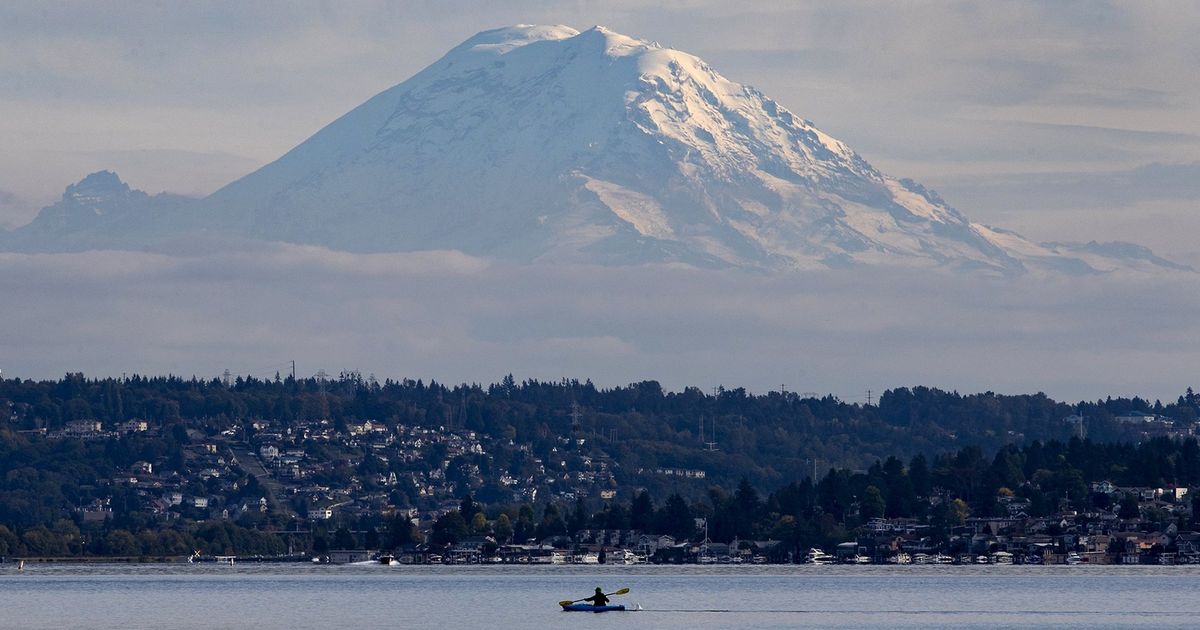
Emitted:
<point x="615" y="44"/>
<point x="498" y="41"/>
<point x="104" y="184"/>
<point x="544" y="143"/>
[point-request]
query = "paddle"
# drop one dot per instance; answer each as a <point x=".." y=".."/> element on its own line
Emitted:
<point x="567" y="602"/>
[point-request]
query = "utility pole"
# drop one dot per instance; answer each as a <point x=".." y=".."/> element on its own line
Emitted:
<point x="868" y="398"/>
<point x="293" y="370"/>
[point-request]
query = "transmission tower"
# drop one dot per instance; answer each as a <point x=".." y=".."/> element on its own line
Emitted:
<point x="576" y="424"/>
<point x="712" y="445"/>
<point x="322" y="377"/>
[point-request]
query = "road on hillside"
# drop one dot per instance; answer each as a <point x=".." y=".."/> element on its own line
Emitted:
<point x="248" y="462"/>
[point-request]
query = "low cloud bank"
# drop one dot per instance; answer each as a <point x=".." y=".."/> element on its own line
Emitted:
<point x="455" y="318"/>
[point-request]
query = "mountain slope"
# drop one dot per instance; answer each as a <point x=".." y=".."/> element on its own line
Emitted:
<point x="101" y="211"/>
<point x="542" y="143"/>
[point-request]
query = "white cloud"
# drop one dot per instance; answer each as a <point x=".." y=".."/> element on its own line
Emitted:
<point x="455" y="318"/>
<point x="1156" y="205"/>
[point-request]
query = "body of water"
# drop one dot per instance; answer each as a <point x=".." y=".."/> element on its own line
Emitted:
<point x="692" y="597"/>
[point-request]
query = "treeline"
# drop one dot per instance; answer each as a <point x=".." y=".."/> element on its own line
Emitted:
<point x="915" y="442"/>
<point x="64" y="538"/>
<point x="769" y="438"/>
<point x="941" y="492"/>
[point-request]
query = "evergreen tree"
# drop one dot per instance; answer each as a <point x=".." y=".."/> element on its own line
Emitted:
<point x="676" y="519"/>
<point x="641" y="512"/>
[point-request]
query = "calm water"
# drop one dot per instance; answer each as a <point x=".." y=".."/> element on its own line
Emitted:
<point x="301" y="596"/>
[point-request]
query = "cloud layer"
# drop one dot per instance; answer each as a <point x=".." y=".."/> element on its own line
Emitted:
<point x="455" y="318"/>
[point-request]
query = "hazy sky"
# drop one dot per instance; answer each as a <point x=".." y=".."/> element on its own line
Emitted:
<point x="1016" y="111"/>
<point x="1062" y="120"/>
<point x="455" y="318"/>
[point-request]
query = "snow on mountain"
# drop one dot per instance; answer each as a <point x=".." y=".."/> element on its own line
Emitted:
<point x="543" y="143"/>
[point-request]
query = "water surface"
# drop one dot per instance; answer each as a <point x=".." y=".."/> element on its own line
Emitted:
<point x="375" y="596"/>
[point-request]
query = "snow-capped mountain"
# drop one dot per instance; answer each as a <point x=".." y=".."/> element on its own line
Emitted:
<point x="543" y="143"/>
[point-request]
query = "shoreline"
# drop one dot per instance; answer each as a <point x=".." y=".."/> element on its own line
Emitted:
<point x="11" y="566"/>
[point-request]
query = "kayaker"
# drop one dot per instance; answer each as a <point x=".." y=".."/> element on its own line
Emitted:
<point x="599" y="599"/>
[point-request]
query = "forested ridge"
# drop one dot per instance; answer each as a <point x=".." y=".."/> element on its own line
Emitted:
<point x="764" y="436"/>
<point x="882" y="459"/>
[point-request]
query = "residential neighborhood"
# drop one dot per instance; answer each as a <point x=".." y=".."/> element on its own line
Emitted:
<point x="475" y="476"/>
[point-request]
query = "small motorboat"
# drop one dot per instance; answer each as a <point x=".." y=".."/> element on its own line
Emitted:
<point x="817" y="556"/>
